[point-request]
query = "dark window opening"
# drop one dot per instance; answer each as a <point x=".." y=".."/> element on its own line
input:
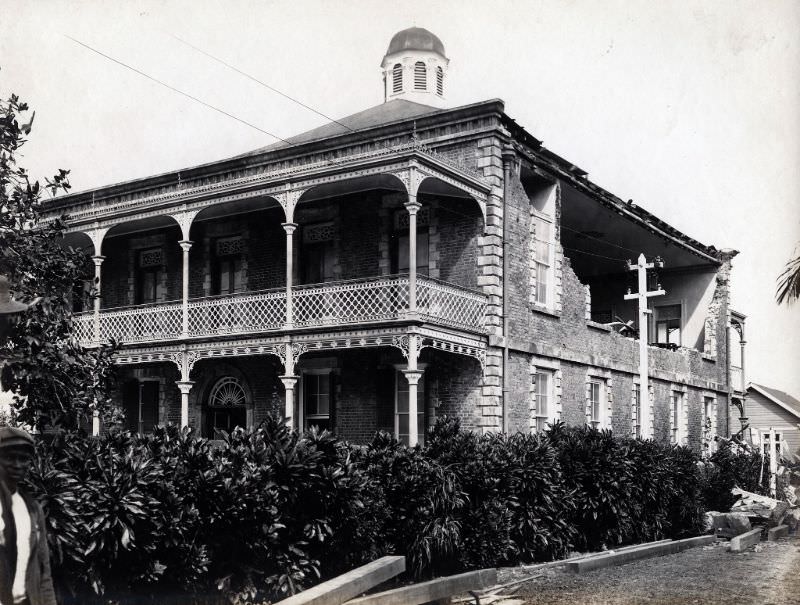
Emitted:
<point x="227" y="270"/>
<point x="318" y="400"/>
<point x="150" y="273"/>
<point x="140" y="402"/>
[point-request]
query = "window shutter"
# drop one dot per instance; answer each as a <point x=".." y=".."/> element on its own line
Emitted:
<point x="420" y="76"/>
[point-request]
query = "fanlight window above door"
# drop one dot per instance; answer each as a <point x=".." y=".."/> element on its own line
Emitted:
<point x="227" y="392"/>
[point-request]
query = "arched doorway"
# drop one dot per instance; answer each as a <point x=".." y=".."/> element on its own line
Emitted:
<point x="226" y="407"/>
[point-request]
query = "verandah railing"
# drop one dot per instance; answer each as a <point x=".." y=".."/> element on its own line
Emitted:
<point x="330" y="304"/>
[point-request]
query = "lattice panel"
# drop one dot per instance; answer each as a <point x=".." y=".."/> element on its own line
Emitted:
<point x="350" y="302"/>
<point x="237" y="314"/>
<point x="450" y="305"/>
<point x="142" y="324"/>
<point x="83" y="328"/>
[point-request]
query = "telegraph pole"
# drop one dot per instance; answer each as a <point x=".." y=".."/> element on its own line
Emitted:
<point x="642" y="295"/>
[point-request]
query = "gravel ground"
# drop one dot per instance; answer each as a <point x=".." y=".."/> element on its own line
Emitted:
<point x="768" y="574"/>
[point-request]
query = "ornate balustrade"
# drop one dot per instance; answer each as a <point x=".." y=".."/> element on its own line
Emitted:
<point x="444" y="303"/>
<point x="350" y="302"/>
<point x="83" y="327"/>
<point x="237" y="313"/>
<point x="142" y="323"/>
<point x="324" y="305"/>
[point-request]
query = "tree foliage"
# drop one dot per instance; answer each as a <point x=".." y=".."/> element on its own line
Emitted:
<point x="789" y="282"/>
<point x="56" y="382"/>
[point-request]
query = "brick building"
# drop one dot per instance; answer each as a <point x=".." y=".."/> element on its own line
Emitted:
<point x="408" y="261"/>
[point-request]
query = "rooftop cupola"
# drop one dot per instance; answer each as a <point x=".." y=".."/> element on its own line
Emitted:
<point x="414" y="68"/>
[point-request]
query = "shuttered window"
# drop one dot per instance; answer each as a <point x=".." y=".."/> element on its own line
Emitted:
<point x="439" y="81"/>
<point x="420" y="76"/>
<point x="397" y="78"/>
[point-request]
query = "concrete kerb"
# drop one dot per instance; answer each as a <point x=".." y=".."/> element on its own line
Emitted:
<point x="746" y="540"/>
<point x="777" y="532"/>
<point x="534" y="569"/>
<point x="637" y="553"/>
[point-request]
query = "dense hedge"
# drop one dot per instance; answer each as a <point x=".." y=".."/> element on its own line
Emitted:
<point x="270" y="512"/>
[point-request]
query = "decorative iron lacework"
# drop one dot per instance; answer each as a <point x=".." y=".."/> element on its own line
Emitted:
<point x="227" y="392"/>
<point x="192" y="188"/>
<point x="323" y="232"/>
<point x="153" y="257"/>
<point x="401" y="218"/>
<point x="228" y="246"/>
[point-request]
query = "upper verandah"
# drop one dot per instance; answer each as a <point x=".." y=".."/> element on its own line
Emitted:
<point x="395" y="124"/>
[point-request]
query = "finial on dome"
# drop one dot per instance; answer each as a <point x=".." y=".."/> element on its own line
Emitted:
<point x="414" y="67"/>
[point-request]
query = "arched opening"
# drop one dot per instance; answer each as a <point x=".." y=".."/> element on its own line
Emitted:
<point x="225" y="407"/>
<point x="237" y="247"/>
<point x="439" y="81"/>
<point x="420" y="76"/>
<point x="83" y="292"/>
<point x="397" y="78"/>
<point x="141" y="257"/>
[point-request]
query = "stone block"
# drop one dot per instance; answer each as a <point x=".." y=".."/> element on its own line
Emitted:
<point x="746" y="540"/>
<point x="488" y="280"/>
<point x="777" y="532"/>
<point x="738" y="522"/>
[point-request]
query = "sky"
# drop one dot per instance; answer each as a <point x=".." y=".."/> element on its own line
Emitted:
<point x="690" y="108"/>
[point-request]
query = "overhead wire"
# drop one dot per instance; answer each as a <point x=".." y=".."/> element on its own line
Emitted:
<point x="257" y="81"/>
<point x="618" y="260"/>
<point x="602" y="241"/>
<point x="172" y="88"/>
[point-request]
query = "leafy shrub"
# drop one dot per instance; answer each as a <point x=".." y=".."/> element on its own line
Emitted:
<point x="111" y="529"/>
<point x="170" y="514"/>
<point x="169" y="517"/>
<point x="627" y="490"/>
<point x="733" y="465"/>
<point x="516" y="504"/>
<point x="596" y="467"/>
<point x="422" y="500"/>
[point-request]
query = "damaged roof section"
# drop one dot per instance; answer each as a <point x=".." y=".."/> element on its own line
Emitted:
<point x="543" y="159"/>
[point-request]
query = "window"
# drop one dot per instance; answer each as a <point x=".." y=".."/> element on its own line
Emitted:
<point x="595" y="411"/>
<point x="150" y="274"/>
<point x="401" y="415"/>
<point x="439" y="81"/>
<point x="668" y="324"/>
<point x="140" y="401"/>
<point x="227" y="272"/>
<point x="226" y="408"/>
<point x="543" y="234"/>
<point x="545" y="400"/>
<point x="400" y="257"/>
<point x="317" y="399"/>
<point x="709" y="424"/>
<point x="636" y="411"/>
<point x="318" y="253"/>
<point x="420" y="76"/>
<point x="677" y="418"/>
<point x="397" y="78"/>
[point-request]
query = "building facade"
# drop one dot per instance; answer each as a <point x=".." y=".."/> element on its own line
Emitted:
<point x="768" y="410"/>
<point x="401" y="264"/>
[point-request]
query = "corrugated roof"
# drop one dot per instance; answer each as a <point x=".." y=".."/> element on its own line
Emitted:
<point x="396" y="110"/>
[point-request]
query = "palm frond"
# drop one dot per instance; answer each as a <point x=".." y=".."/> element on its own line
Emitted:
<point x="789" y="282"/>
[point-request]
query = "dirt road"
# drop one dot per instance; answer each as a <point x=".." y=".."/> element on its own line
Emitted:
<point x="766" y="575"/>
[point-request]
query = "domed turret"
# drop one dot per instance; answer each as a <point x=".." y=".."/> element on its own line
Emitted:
<point x="414" y="67"/>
